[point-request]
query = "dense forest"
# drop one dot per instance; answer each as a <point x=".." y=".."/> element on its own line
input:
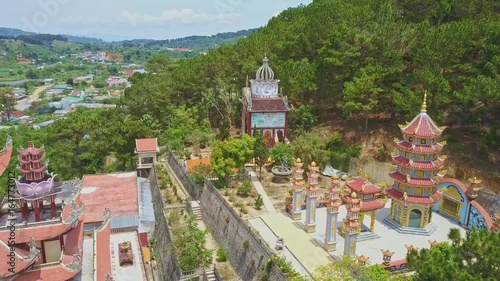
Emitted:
<point x="360" y="59"/>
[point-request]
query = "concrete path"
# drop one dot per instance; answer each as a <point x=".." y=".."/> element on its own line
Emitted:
<point x="267" y="235"/>
<point x="260" y="190"/>
<point x="300" y="244"/>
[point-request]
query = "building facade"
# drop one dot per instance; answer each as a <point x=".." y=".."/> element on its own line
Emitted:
<point x="263" y="107"/>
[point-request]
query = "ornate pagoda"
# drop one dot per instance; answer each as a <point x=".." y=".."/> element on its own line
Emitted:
<point x="369" y="194"/>
<point x="49" y="238"/>
<point x="416" y="177"/>
<point x="264" y="109"/>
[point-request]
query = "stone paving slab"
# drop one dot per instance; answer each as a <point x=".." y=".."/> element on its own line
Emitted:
<point x="267" y="235"/>
<point x="260" y="190"/>
<point x="300" y="244"/>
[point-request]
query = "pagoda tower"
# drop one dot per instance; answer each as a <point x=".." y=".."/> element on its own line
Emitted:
<point x="416" y="177"/>
<point x="312" y="197"/>
<point x="298" y="184"/>
<point x="332" y="211"/>
<point x="353" y="206"/>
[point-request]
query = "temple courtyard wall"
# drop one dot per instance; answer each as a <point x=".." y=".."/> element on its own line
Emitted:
<point x="246" y="252"/>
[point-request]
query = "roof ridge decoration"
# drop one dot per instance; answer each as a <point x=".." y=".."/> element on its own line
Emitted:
<point x="75" y="265"/>
<point x="107" y="218"/>
<point x="424" y="103"/>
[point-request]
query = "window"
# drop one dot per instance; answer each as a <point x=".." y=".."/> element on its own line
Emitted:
<point x="421" y="157"/>
<point x="420" y="174"/>
<point x="403" y="170"/>
<point x="419" y="191"/>
<point x="410" y="139"/>
<point x="422" y="141"/>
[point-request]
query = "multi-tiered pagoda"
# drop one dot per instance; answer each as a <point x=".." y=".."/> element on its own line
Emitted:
<point x="416" y="178"/>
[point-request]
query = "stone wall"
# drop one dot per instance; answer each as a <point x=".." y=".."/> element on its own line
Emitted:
<point x="165" y="258"/>
<point x="246" y="253"/>
<point x="191" y="187"/>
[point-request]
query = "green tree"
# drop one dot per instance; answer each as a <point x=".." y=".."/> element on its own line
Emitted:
<point x="309" y="147"/>
<point x="231" y="154"/>
<point x="261" y="152"/>
<point x="7" y="101"/>
<point x="281" y="150"/>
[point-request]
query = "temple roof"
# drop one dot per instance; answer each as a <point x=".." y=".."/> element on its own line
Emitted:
<point x="422" y="125"/>
<point x="23" y="259"/>
<point x="146" y="145"/>
<point x="403" y="178"/>
<point x="102" y="245"/>
<point x="420" y="148"/>
<point x="401" y="196"/>
<point x="5" y="155"/>
<point x="30" y="150"/>
<point x="274" y="104"/>
<point x="264" y="72"/>
<point x="363" y="186"/>
<point x="370" y="205"/>
<point x="417" y="165"/>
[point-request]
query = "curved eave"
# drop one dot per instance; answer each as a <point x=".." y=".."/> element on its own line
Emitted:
<point x="400" y="177"/>
<point x="422" y="200"/>
<point x="27" y="161"/>
<point x="371" y="205"/>
<point x="422" y="126"/>
<point x="30" y="151"/>
<point x="22" y="262"/>
<point x="420" y="149"/>
<point x="33" y="170"/>
<point x="417" y="165"/>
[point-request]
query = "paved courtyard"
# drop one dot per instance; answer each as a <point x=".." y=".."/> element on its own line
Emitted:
<point x="389" y="238"/>
<point x="130" y="272"/>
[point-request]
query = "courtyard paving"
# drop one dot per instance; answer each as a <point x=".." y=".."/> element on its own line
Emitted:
<point x="130" y="272"/>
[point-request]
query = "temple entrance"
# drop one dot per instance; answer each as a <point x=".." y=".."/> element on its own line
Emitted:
<point x="415" y="218"/>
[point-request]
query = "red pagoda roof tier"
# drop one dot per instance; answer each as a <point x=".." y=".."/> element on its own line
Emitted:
<point x="422" y="126"/>
<point x="27" y="161"/>
<point x="420" y="148"/>
<point x="399" y="195"/>
<point x="33" y="170"/>
<point x="31" y="150"/>
<point x="417" y="165"/>
<point x="276" y="104"/>
<point x="23" y="260"/>
<point x="362" y="186"/>
<point x="400" y="177"/>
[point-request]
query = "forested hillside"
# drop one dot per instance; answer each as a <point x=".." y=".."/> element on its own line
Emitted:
<point x="359" y="59"/>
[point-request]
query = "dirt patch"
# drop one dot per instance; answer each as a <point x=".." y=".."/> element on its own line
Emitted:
<point x="227" y="272"/>
<point x="244" y="206"/>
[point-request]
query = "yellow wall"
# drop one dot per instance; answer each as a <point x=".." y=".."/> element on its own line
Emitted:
<point x="52" y="250"/>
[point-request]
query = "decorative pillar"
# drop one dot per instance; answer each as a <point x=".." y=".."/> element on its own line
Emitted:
<point x="332" y="211"/>
<point x="37" y="210"/>
<point x="353" y="206"/>
<point x="361" y="219"/>
<point x="298" y="183"/>
<point x="312" y="197"/>
<point x="362" y="259"/>
<point x="24" y="209"/>
<point x="410" y="248"/>
<point x="372" y="222"/>
<point x="387" y="257"/>
<point x="53" y="206"/>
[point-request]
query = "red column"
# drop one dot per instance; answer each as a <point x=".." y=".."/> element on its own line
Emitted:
<point x="61" y="242"/>
<point x="41" y="208"/>
<point x="37" y="210"/>
<point x="43" y="252"/>
<point x="24" y="209"/>
<point x="53" y="206"/>
<point x="285" y="133"/>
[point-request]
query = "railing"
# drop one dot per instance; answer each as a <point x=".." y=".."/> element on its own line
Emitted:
<point x="217" y="274"/>
<point x="192" y="188"/>
<point x="187" y="275"/>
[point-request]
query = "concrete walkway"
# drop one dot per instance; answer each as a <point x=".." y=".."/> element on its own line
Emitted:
<point x="260" y="190"/>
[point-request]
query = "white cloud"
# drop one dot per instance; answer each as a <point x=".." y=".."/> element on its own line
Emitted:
<point x="167" y="17"/>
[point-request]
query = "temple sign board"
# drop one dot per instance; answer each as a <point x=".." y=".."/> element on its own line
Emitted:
<point x="268" y="120"/>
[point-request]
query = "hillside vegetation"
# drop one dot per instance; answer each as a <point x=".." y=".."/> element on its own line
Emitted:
<point x="363" y="60"/>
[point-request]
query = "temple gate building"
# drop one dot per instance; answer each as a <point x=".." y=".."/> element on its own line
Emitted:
<point x="416" y="178"/>
<point x="263" y="108"/>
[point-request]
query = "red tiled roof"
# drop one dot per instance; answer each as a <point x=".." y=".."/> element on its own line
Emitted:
<point x="5" y="156"/>
<point x="144" y="239"/>
<point x="129" y="72"/>
<point x="73" y="246"/>
<point x="197" y="162"/>
<point x="146" y="145"/>
<point x="22" y="261"/>
<point x="422" y="126"/>
<point x="269" y="105"/>
<point x="370" y="205"/>
<point x="75" y="93"/>
<point x="419" y="148"/>
<point x="362" y="186"/>
<point x="31" y="150"/>
<point x="103" y="255"/>
<point x="400" y="177"/>
<point x="398" y="195"/>
<point x="419" y="165"/>
<point x="118" y="192"/>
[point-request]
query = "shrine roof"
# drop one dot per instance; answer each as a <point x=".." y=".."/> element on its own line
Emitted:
<point x="370" y="205"/>
<point x="419" y="148"/>
<point x="274" y="104"/>
<point x="22" y="260"/>
<point x="31" y="150"/>
<point x="363" y="186"/>
<point x="146" y="145"/>
<point x="422" y="126"/>
<point x="424" y="165"/>
<point x="5" y="156"/>
<point x="118" y="192"/>
<point x="399" y="195"/>
<point x="400" y="177"/>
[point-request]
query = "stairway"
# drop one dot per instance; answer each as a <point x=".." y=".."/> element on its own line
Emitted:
<point x="211" y="275"/>
<point x="195" y="206"/>
<point x="431" y="227"/>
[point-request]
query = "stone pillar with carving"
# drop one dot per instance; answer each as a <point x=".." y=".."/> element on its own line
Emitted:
<point x="312" y="197"/>
<point x="353" y="206"/>
<point x="332" y="211"/>
<point x="298" y="183"/>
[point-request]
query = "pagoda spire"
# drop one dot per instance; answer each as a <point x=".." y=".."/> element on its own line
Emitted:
<point x="424" y="104"/>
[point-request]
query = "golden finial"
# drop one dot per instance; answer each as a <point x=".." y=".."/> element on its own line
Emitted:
<point x="313" y="164"/>
<point x="354" y="195"/>
<point x="424" y="104"/>
<point x="298" y="160"/>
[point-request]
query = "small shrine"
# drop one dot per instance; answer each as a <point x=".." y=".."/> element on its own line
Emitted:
<point x="146" y="150"/>
<point x="369" y="194"/>
<point x="416" y="177"/>
<point x="264" y="109"/>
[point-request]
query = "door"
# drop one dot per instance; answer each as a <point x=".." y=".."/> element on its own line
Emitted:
<point x="415" y="217"/>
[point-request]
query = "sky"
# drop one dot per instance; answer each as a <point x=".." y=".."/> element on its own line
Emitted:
<point x="140" y="19"/>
